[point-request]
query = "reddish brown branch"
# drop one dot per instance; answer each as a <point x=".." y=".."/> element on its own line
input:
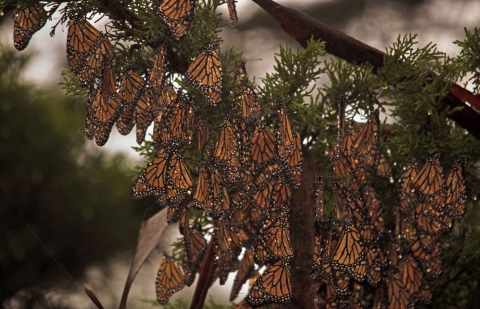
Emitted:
<point x="206" y="275"/>
<point x="302" y="28"/>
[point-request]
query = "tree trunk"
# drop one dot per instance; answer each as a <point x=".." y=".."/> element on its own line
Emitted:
<point x="302" y="233"/>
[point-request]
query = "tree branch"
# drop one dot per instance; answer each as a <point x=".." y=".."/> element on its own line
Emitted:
<point x="206" y="275"/>
<point x="302" y="235"/>
<point x="302" y="28"/>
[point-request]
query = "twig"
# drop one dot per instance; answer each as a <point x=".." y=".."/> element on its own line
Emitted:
<point x="206" y="275"/>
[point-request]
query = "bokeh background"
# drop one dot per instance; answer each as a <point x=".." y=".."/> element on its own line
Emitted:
<point x="62" y="195"/>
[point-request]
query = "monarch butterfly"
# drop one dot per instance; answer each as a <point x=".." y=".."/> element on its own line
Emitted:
<point x="143" y="115"/>
<point x="422" y="255"/>
<point x="203" y="133"/>
<point x="349" y="250"/>
<point x="248" y="101"/>
<point x="425" y="295"/>
<point x="326" y="296"/>
<point x="398" y="295"/>
<point x="410" y="172"/>
<point x="184" y="223"/>
<point x="341" y="284"/>
<point x="343" y="162"/>
<point x="263" y="145"/>
<point x="294" y="157"/>
<point x="368" y="232"/>
<point x="182" y="119"/>
<point x="107" y="106"/>
<point x="174" y="211"/>
<point x="429" y="178"/>
<point x="341" y="165"/>
<point x="374" y="208"/>
<point x="340" y="201"/>
<point x="215" y="183"/>
<point x="162" y="136"/>
<point x="427" y="224"/>
<point x="132" y="87"/>
<point x="433" y="266"/>
<point x="317" y="251"/>
<point x="239" y="236"/>
<point x="82" y="38"/>
<point x="102" y="53"/>
<point x="166" y="176"/>
<point x="226" y="264"/>
<point x="382" y="167"/>
<point x="177" y="14"/>
<point x="227" y="142"/>
<point x="265" y="174"/>
<point x="170" y="279"/>
<point x="26" y="23"/>
<point x="93" y="128"/>
<point x="272" y="287"/>
<point x="195" y="249"/>
<point x="165" y="109"/>
<point x="179" y="173"/>
<point x="243" y="218"/>
<point x="374" y="267"/>
<point x="411" y="275"/>
<point x="241" y="71"/>
<point x="164" y="101"/>
<point x="218" y="202"/>
<point x="202" y="190"/>
<point x="261" y="198"/>
<point x="174" y="124"/>
<point x="222" y="236"/>
<point x="407" y="229"/>
<point x="456" y="196"/>
<point x="158" y="71"/>
<point x="281" y="194"/>
<point x="154" y="176"/>
<point x="346" y="145"/>
<point x="275" y="240"/>
<point x="285" y="139"/>
<point x="232" y="11"/>
<point x="322" y="268"/>
<point x="245" y="271"/>
<point x="365" y="146"/>
<point x="205" y="75"/>
<point x="428" y="242"/>
<point x="406" y="202"/>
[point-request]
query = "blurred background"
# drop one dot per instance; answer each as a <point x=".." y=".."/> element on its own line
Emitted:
<point x="65" y="201"/>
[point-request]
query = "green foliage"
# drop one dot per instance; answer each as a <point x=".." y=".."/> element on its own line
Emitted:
<point x="469" y="58"/>
<point x="292" y="82"/>
<point x="180" y="303"/>
<point x="76" y="202"/>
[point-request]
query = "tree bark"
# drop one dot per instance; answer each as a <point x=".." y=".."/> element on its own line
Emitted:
<point x="302" y="234"/>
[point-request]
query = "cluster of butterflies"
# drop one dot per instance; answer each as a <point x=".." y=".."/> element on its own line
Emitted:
<point x="244" y="185"/>
<point x="350" y="260"/>
<point x="139" y="101"/>
<point x="246" y="180"/>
